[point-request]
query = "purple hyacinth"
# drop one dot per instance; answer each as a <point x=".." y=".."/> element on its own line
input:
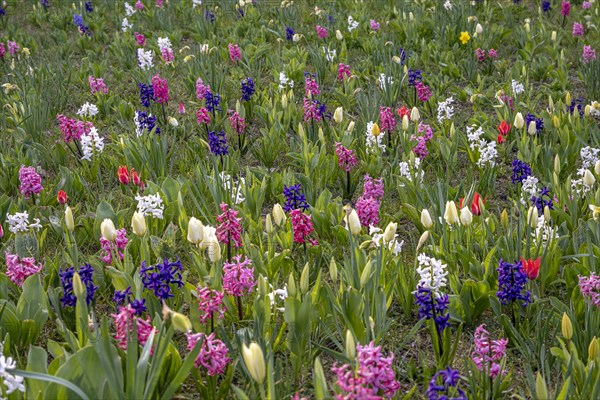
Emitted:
<point x="31" y="181"/>
<point x="210" y="17"/>
<point x="122" y="297"/>
<point x="159" y="278"/>
<point x="289" y="33"/>
<point x="217" y="141"/>
<point x="248" y="89"/>
<point x="539" y="122"/>
<point x="146" y="122"/>
<point x="414" y="76"/>
<point x="441" y="383"/>
<point x="294" y="198"/>
<point x="590" y="288"/>
<point x="213" y="101"/>
<point x="511" y="283"/>
<point x="146" y="94"/>
<point x="520" y="171"/>
<point x="543" y="200"/>
<point x="89" y="7"/>
<point x="238" y="276"/>
<point x="86" y="273"/>
<point x="432" y="307"/>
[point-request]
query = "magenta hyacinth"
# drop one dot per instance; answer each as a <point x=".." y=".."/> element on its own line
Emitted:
<point x="97" y="85"/>
<point x="13" y="47"/>
<point x="346" y="157"/>
<point x="17" y="270"/>
<point x="140" y="39"/>
<point x="492" y="54"/>
<point x="238" y="277"/>
<point x="343" y="71"/>
<point x="237" y="123"/>
<point x="302" y="227"/>
<point x="108" y="248"/>
<point x="167" y="55"/>
<point x="423" y="92"/>
<point x="210" y="302"/>
<point x="161" y="89"/>
<point x="235" y="54"/>
<point x="229" y="228"/>
<point x="72" y="129"/>
<point x="2" y="50"/>
<point x="367" y="209"/>
<point x="213" y="352"/>
<point x="565" y="8"/>
<point x="311" y="87"/>
<point x="577" y="29"/>
<point x="386" y="117"/>
<point x="311" y="111"/>
<point x="480" y="54"/>
<point x="201" y="89"/>
<point x="124" y="321"/>
<point x="203" y="116"/>
<point x="373" y="188"/>
<point x="590" y="288"/>
<point x="321" y="32"/>
<point x="486" y="353"/>
<point x="426" y="132"/>
<point x="31" y="181"/>
<point x="374" y="25"/>
<point x="589" y="54"/>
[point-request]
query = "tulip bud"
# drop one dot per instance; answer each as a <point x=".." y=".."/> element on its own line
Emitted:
<point x="304" y="279"/>
<point x="405" y="123"/>
<point x="452" y="129"/>
<point x="396" y="59"/>
<point x="556" y="122"/>
<point x="269" y="224"/>
<point x="587" y="110"/>
<point x="181" y="322"/>
<point x="366" y="274"/>
<point x="519" y="121"/>
<point x="532" y="217"/>
<point x="195" y="231"/>
<point x="422" y="239"/>
<point x="172" y="121"/>
<point x="214" y="251"/>
<point x="138" y="224"/>
<point x="567" y="327"/>
<point x="79" y="288"/>
<point x="540" y="387"/>
<point x="504" y="218"/>
<point x="291" y="286"/>
<point x="390" y="232"/>
<point x="594" y="349"/>
<point x="108" y="230"/>
<point x="550" y="104"/>
<point x="553" y="36"/>
<point x="588" y="178"/>
<point x="375" y="131"/>
<point x="350" y="346"/>
<point x="333" y="270"/>
<point x="353" y="222"/>
<point x="338" y="35"/>
<point x="532" y="129"/>
<point x="466" y="217"/>
<point x="350" y="127"/>
<point x="451" y="213"/>
<point x="284" y="101"/>
<point x="547" y="215"/>
<point x="426" y="219"/>
<point x="255" y="362"/>
<point x="69" y="222"/>
<point x="527" y="27"/>
<point x="296" y="37"/>
<point x="568" y="99"/>
<point x="557" y="164"/>
<point x="415" y="116"/>
<point x="338" y="115"/>
<point x="478" y="29"/>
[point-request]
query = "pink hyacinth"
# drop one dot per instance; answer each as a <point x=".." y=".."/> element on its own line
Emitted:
<point x="159" y="3"/>
<point x="590" y="288"/>
<point x="492" y="54"/>
<point x="235" y="54"/>
<point x="167" y="55"/>
<point x="97" y="85"/>
<point x="367" y="209"/>
<point x="2" y="50"/>
<point x="426" y="132"/>
<point x="480" y="54"/>
<point x="302" y="227"/>
<point x="31" y="181"/>
<point x="374" y="25"/>
<point x="201" y="89"/>
<point x="311" y="87"/>
<point x="19" y="270"/>
<point x="72" y="129"/>
<point x="13" y="47"/>
<point x="213" y="352"/>
<point x="577" y="29"/>
<point x="161" y="89"/>
<point x="386" y="117"/>
<point x="124" y="321"/>
<point x="343" y="71"/>
<point x="565" y="8"/>
<point x="423" y="92"/>
<point x="139" y="5"/>
<point x="486" y="352"/>
<point x="373" y="188"/>
<point x="210" y="302"/>
<point x="310" y="110"/>
<point x="203" y="116"/>
<point x="346" y="157"/>
<point x="229" y="228"/>
<point x="108" y="248"/>
<point x="237" y="123"/>
<point x="321" y="32"/>
<point x="238" y="277"/>
<point x="586" y="5"/>
<point x="140" y="39"/>
<point x="589" y="54"/>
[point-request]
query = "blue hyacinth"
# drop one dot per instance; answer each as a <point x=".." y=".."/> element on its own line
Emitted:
<point x="217" y="141"/>
<point x="511" y="283"/>
<point x="159" y="278"/>
<point x="86" y="273"/>
<point x="248" y="89"/>
<point x="294" y="198"/>
<point x="520" y="171"/>
<point x="432" y="307"/>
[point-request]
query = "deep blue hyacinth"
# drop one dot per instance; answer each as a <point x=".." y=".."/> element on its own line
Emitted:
<point x="217" y="141"/>
<point x="121" y="297"/>
<point x="159" y="278"/>
<point x="440" y="384"/>
<point x="146" y="94"/>
<point x="577" y="104"/>
<point x="86" y="273"/>
<point x="546" y="6"/>
<point x="139" y="306"/>
<point x="45" y="4"/>
<point x="289" y="33"/>
<point x="147" y="122"/>
<point x="431" y="307"/>
<point x="248" y="89"/>
<point x="210" y="17"/>
<point x="402" y="56"/>
<point x="294" y="198"/>
<point x="520" y="171"/>
<point x="213" y="101"/>
<point x="89" y="7"/>
<point x="414" y="76"/>
<point x="2" y="10"/>
<point x="539" y="122"/>
<point x="78" y="19"/>
<point x="543" y="200"/>
<point x="511" y="283"/>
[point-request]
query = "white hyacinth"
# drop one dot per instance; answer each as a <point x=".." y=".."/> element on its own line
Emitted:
<point x="329" y="54"/>
<point x="19" y="222"/>
<point x="150" y="205"/>
<point x="352" y="23"/>
<point x="89" y="142"/>
<point x="129" y="10"/>
<point x="12" y="382"/>
<point x="284" y="81"/>
<point x="88" y="110"/>
<point x="393" y="245"/>
<point x="589" y="156"/>
<point x="445" y="109"/>
<point x="145" y="59"/>
<point x="517" y="87"/>
<point x="384" y="81"/>
<point x="580" y="186"/>
<point x="126" y="25"/>
<point x="433" y="274"/>
<point x="407" y="171"/>
<point x="373" y="141"/>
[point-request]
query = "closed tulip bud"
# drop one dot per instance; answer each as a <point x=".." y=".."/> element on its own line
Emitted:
<point x="269" y="224"/>
<point x="532" y="217"/>
<point x="214" y="251"/>
<point x="550" y="104"/>
<point x="556" y="122"/>
<point x="390" y="232"/>
<point x="422" y="239"/>
<point x="333" y="272"/>
<point x="566" y="327"/>
<point x="296" y="37"/>
<point x="557" y="164"/>
<point x="519" y="121"/>
<point x="504" y="218"/>
<point x="291" y="286"/>
<point x="353" y="222"/>
<point x="78" y="287"/>
<point x="262" y="286"/>
<point x="405" y="123"/>
<point x="547" y="216"/>
<point x="540" y="387"/>
<point x="466" y="217"/>
<point x="532" y="129"/>
<point x="426" y="219"/>
<point x="138" y="224"/>
<point x="588" y="178"/>
<point x="553" y="36"/>
<point x="451" y="213"/>
<point x="321" y="135"/>
<point x="278" y="214"/>
<point x="172" y="121"/>
<point x="452" y="130"/>
<point x="304" y="279"/>
<point x="108" y="230"/>
<point x="284" y="101"/>
<point x="181" y="322"/>
<point x="597" y="167"/>
<point x="350" y="127"/>
<point x="195" y="231"/>
<point x="366" y="274"/>
<point x="396" y="59"/>
<point x="338" y="115"/>
<point x="594" y="349"/>
<point x="122" y="142"/>
<point x="375" y="131"/>
<point x="339" y="35"/>
<point x="527" y="27"/>
<point x="478" y="29"/>
<point x="415" y="116"/>
<point x="255" y="362"/>
<point x="350" y="346"/>
<point x="69" y="222"/>
<point x="568" y="99"/>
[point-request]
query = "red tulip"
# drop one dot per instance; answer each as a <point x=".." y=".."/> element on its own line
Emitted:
<point x="531" y="267"/>
<point x="135" y="177"/>
<point x="124" y="175"/>
<point x="62" y="197"/>
<point x="1" y="231"/>
<point x="475" y="209"/>
<point x="500" y="138"/>
<point x="504" y="128"/>
<point x="181" y="108"/>
<point x="402" y="111"/>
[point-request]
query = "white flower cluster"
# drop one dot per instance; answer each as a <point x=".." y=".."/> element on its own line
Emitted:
<point x="408" y="171"/>
<point x="329" y="54"/>
<point x="589" y="156"/>
<point x="352" y="23"/>
<point x="196" y="3"/>
<point x="384" y="81"/>
<point x="145" y="59"/>
<point x="126" y="25"/>
<point x="284" y="81"/>
<point x="393" y="245"/>
<point x="373" y="141"/>
<point x="12" y="382"/>
<point x="150" y="205"/>
<point x="487" y="150"/>
<point x="140" y="129"/>
<point x="237" y="192"/>
<point x="19" y="222"/>
<point x="529" y="188"/>
<point x="517" y="87"/>
<point x="164" y="43"/>
<point x="88" y="110"/>
<point x="595" y="109"/>
<point x="91" y="141"/>
<point x="433" y="274"/>
<point x="445" y="109"/>
<point x="280" y="294"/>
<point x="544" y="232"/>
<point x="580" y="186"/>
<point x="448" y="5"/>
<point x="129" y="10"/>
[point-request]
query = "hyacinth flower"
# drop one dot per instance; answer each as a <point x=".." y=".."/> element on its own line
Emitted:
<point x="311" y="87"/>
<point x="238" y="279"/>
<point x="238" y="124"/>
<point x="512" y="280"/>
<point x="487" y="353"/>
<point x="146" y="94"/>
<point x="217" y="141"/>
<point x="294" y="198"/>
<point x="124" y="321"/>
<point x="30" y="182"/>
<point x="160" y="278"/>
<point x="235" y="54"/>
<point x="302" y="227"/>
<point x="387" y="121"/>
<point x="370" y="376"/>
<point x="210" y="302"/>
<point x="347" y="161"/>
<point x="229" y="230"/>
<point x="444" y="384"/>
<point x="125" y="297"/>
<point x="97" y="85"/>
<point x="213" y="353"/>
<point x="161" y="92"/>
<point x="367" y="205"/>
<point x="17" y="270"/>
<point x="86" y="273"/>
<point x="590" y="288"/>
<point x="115" y="247"/>
<point x="343" y="71"/>
<point x="248" y="88"/>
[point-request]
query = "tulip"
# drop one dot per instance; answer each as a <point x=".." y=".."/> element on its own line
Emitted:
<point x="1" y="231"/>
<point x="350" y="127"/>
<point x="350" y="346"/>
<point x="338" y="35"/>
<point x="451" y="214"/>
<point x="123" y="175"/>
<point x="568" y="99"/>
<point x="278" y="214"/>
<point x="504" y="218"/>
<point x="405" y="123"/>
<point x="415" y="116"/>
<point x="531" y="267"/>
<point x="338" y="115"/>
<point x="366" y="274"/>
<point x="353" y="222"/>
<point x="108" y="230"/>
<point x="553" y="36"/>
<point x="422" y="239"/>
<point x="556" y="122"/>
<point x="172" y="121"/>
<point x="269" y="228"/>
<point x="375" y="131"/>
<point x="181" y="322"/>
<point x="547" y="215"/>
<point x="594" y="349"/>
<point x="291" y="286"/>
<point x="519" y="121"/>
<point x="255" y="362"/>
<point x="478" y="29"/>
<point x="195" y="231"/>
<point x="567" y="327"/>
<point x="426" y="219"/>
<point x="214" y="251"/>
<point x="138" y="224"/>
<point x="304" y="279"/>
<point x="69" y="222"/>
<point x="532" y="217"/>
<point x="532" y="129"/>
<point x="284" y="101"/>
<point x="504" y="128"/>
<point x="595" y="211"/>
<point x="587" y="110"/>
<point x="557" y="164"/>
<point x="588" y="178"/>
<point x="62" y="197"/>
<point x="333" y="274"/>
<point x="540" y="387"/>
<point x="466" y="217"/>
<point x="181" y="108"/>
<point x="296" y="37"/>
<point x="390" y="232"/>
